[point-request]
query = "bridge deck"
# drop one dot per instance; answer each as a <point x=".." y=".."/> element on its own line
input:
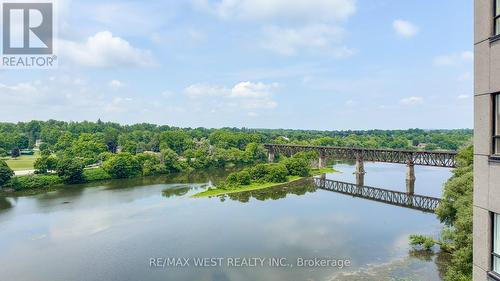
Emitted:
<point x="402" y="199"/>
<point x="425" y="158"/>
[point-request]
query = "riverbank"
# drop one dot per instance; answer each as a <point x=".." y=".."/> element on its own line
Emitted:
<point x="97" y="177"/>
<point x="257" y="186"/>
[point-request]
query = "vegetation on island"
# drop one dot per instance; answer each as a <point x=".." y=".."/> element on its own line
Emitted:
<point x="74" y="152"/>
<point x="455" y="211"/>
<point x="263" y="176"/>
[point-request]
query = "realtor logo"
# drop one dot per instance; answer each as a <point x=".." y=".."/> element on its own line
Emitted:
<point x="27" y="28"/>
<point x="28" y="35"/>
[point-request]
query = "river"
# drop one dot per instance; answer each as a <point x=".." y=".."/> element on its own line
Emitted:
<point x="120" y="230"/>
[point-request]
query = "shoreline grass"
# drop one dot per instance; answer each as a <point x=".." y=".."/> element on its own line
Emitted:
<point x="258" y="186"/>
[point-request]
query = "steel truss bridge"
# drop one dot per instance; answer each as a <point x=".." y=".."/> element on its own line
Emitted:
<point x="444" y="159"/>
<point x="417" y="202"/>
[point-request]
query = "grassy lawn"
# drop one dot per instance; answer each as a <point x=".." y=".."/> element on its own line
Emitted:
<point x="23" y="162"/>
<point x="257" y="186"/>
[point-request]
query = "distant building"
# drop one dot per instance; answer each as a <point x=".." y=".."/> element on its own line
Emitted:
<point x="422" y="145"/>
<point x="486" y="238"/>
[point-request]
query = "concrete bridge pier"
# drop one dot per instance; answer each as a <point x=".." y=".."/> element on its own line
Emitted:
<point x="270" y="156"/>
<point x="360" y="171"/>
<point x="322" y="160"/>
<point x="360" y="166"/>
<point x="410" y="178"/>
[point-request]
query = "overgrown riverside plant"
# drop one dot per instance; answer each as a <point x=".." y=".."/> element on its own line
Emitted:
<point x="455" y="211"/>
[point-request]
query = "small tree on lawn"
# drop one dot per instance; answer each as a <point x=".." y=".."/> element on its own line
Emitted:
<point x="15" y="152"/>
<point x="6" y="173"/>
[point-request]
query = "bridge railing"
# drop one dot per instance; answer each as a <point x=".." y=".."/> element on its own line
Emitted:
<point x="417" y="202"/>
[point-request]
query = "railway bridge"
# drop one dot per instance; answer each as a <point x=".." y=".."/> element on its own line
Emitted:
<point x="444" y="159"/>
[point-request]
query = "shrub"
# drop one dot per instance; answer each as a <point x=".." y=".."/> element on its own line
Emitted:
<point x="239" y="178"/>
<point x="5" y="172"/>
<point x="152" y="167"/>
<point x="33" y="182"/>
<point x="95" y="174"/>
<point x="297" y="166"/>
<point x="244" y="178"/>
<point x="259" y="172"/>
<point x="123" y="165"/>
<point x="277" y="173"/>
<point x="171" y="160"/>
<point x="70" y="170"/>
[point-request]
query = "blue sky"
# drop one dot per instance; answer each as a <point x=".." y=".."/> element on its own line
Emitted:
<point x="310" y="64"/>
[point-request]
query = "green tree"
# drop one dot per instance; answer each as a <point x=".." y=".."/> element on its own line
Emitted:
<point x="6" y="173"/>
<point x="297" y="166"/>
<point x="277" y="173"/>
<point x="177" y="140"/>
<point x="171" y="160"/>
<point x="455" y="211"/>
<point x="123" y="165"/>
<point x="44" y="164"/>
<point x="239" y="178"/>
<point x="259" y="172"/>
<point x="70" y="170"/>
<point x="15" y="152"/>
<point x="88" y="147"/>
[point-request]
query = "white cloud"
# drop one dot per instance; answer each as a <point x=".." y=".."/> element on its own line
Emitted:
<point x="412" y="101"/>
<point x="105" y="50"/>
<point x="405" y="28"/>
<point x="116" y="84"/>
<point x="296" y="10"/>
<point x="315" y="37"/>
<point x="463" y="97"/>
<point x="248" y="95"/>
<point x="454" y="59"/>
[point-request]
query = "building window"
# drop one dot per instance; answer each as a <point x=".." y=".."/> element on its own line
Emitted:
<point x="496" y="243"/>
<point x="496" y="137"/>
<point x="496" y="17"/>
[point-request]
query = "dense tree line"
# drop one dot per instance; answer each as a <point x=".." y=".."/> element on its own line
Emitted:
<point x="88" y="139"/>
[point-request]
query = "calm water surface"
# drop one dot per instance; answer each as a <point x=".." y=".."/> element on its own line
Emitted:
<point x="111" y="231"/>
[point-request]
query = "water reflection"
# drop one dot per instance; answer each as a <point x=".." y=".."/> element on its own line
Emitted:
<point x="5" y="203"/>
<point x="111" y="229"/>
<point x="298" y="188"/>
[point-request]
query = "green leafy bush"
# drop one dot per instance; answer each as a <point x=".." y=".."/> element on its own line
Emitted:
<point x="44" y="164"/>
<point x="123" y="165"/>
<point x="259" y="172"/>
<point x="239" y="178"/>
<point x="70" y="170"/>
<point x="297" y="166"/>
<point x="33" y="182"/>
<point x="5" y="172"/>
<point x="95" y="174"/>
<point x="153" y="167"/>
<point x="277" y="173"/>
